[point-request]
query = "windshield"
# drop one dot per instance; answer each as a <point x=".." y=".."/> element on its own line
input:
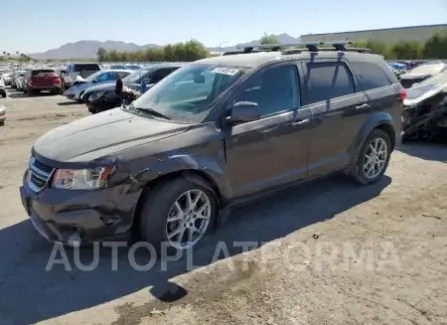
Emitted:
<point x="134" y="77"/>
<point x="186" y="94"/>
<point x="437" y="82"/>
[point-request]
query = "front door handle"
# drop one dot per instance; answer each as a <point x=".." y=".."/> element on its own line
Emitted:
<point x="362" y="106"/>
<point x="269" y="129"/>
<point x="300" y="123"/>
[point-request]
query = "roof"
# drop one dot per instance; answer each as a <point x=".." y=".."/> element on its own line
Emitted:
<point x="117" y="70"/>
<point x="162" y="65"/>
<point x="253" y="60"/>
<point x="249" y="60"/>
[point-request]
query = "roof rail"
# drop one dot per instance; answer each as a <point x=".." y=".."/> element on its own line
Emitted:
<point x="325" y="49"/>
<point x="240" y="52"/>
<point x="310" y="46"/>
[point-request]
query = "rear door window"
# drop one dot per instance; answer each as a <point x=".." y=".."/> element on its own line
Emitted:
<point x="327" y="80"/>
<point x="370" y="75"/>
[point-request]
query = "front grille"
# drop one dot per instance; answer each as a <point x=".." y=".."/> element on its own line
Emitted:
<point x="40" y="174"/>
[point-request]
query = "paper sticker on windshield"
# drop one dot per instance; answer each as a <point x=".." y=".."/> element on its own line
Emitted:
<point x="227" y="71"/>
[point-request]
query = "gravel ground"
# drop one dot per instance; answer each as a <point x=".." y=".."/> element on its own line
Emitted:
<point x="327" y="252"/>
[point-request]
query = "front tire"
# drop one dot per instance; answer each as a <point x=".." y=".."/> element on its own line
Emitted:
<point x="373" y="159"/>
<point x="177" y="214"/>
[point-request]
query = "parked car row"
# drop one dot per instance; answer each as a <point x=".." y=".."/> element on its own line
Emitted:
<point x="97" y="91"/>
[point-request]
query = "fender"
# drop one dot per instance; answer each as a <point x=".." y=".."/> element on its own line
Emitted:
<point x="185" y="162"/>
<point x="374" y="120"/>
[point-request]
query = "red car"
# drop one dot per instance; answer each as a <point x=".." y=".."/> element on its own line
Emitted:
<point x="37" y="80"/>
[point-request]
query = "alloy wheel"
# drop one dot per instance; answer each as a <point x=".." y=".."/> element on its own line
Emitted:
<point x="375" y="158"/>
<point x="188" y="219"/>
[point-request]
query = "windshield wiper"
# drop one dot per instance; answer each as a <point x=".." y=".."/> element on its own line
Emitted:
<point x="150" y="111"/>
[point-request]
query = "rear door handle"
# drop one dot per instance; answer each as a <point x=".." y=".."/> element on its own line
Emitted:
<point x="362" y="106"/>
<point x="300" y="123"/>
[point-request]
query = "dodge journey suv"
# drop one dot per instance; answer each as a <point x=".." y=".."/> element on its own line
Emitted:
<point x="212" y="134"/>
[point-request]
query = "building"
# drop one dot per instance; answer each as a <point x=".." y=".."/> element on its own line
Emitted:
<point x="388" y="35"/>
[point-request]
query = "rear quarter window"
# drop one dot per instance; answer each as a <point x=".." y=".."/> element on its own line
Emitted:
<point x="371" y="76"/>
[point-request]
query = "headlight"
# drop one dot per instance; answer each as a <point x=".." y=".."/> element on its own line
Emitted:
<point x="95" y="96"/>
<point x="81" y="179"/>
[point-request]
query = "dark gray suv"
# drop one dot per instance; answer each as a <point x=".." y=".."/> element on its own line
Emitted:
<point x="210" y="135"/>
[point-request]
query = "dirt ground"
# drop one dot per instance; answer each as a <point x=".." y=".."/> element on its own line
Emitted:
<point x="327" y="252"/>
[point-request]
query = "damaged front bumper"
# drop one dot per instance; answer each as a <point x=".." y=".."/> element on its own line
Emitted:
<point x="75" y="217"/>
<point x="425" y="114"/>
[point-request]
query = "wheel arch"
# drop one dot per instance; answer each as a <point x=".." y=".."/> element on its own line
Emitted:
<point x="193" y="175"/>
<point x="380" y="120"/>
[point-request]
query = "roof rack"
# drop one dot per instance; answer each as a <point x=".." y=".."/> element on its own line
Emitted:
<point x="292" y="48"/>
<point x="240" y="52"/>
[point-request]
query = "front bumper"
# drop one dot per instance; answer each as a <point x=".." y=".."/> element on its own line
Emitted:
<point x="69" y="95"/>
<point x="60" y="215"/>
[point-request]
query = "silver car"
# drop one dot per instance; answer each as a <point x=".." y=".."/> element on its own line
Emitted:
<point x="104" y="76"/>
<point x="2" y="115"/>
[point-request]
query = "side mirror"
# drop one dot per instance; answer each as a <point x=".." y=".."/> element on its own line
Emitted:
<point x="242" y="112"/>
<point x="119" y="87"/>
<point x="94" y="81"/>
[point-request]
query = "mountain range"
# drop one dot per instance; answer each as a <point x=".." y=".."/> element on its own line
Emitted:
<point x="87" y="49"/>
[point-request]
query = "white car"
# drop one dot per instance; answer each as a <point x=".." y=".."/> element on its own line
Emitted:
<point x="2" y="115"/>
<point x="18" y="81"/>
<point x="2" y="87"/>
<point x="6" y="78"/>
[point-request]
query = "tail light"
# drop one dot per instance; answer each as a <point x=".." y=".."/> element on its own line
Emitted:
<point x="403" y="94"/>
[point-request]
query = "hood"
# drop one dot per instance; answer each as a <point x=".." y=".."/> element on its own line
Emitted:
<point x="425" y="70"/>
<point x="102" y="87"/>
<point x="111" y="87"/>
<point x="77" y="88"/>
<point x="102" y="135"/>
<point x="426" y="89"/>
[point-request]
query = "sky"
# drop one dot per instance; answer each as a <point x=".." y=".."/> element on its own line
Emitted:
<point x="31" y="26"/>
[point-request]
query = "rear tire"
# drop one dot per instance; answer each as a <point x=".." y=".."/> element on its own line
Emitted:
<point x="4" y="95"/>
<point x="164" y="201"/>
<point x="2" y="123"/>
<point x="373" y="158"/>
